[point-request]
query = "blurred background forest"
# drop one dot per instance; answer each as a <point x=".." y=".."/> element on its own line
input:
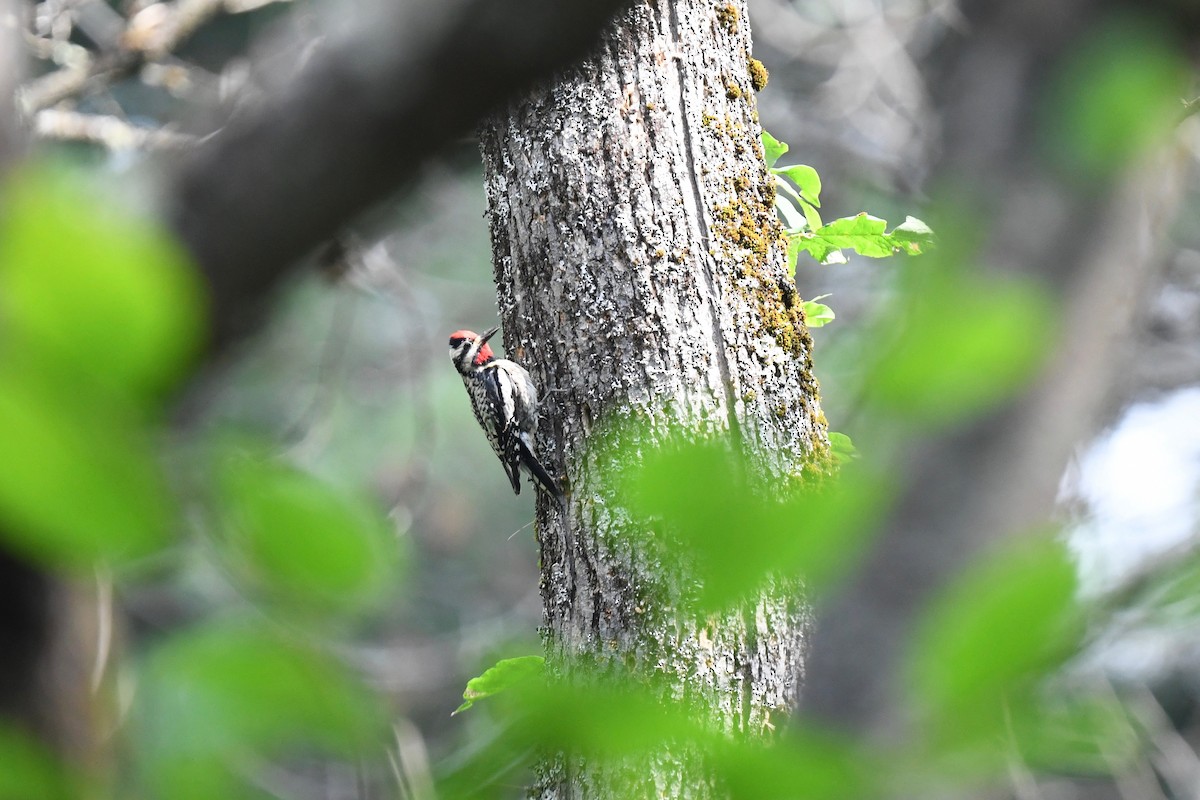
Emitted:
<point x="348" y="376"/>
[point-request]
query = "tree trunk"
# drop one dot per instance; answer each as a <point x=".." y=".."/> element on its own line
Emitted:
<point x="641" y="275"/>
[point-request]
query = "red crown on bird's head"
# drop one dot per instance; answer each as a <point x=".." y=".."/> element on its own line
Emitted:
<point x="485" y="353"/>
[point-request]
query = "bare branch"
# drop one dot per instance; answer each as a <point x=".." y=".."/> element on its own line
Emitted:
<point x="151" y="35"/>
<point x="75" y="79"/>
<point x="110" y="132"/>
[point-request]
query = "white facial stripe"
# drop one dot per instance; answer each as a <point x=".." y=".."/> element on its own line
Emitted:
<point x="462" y="355"/>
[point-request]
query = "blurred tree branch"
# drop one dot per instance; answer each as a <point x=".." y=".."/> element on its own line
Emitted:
<point x="153" y="33"/>
<point x="107" y="131"/>
<point x="354" y="125"/>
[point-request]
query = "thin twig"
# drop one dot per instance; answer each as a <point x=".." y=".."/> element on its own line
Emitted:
<point x="112" y="132"/>
<point x="150" y="35"/>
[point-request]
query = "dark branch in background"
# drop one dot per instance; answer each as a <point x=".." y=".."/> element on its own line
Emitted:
<point x="353" y="126"/>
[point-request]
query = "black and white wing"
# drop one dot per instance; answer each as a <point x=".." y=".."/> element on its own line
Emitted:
<point x="503" y="432"/>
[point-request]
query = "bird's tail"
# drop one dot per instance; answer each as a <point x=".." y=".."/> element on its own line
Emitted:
<point x="541" y="475"/>
<point x="555" y="489"/>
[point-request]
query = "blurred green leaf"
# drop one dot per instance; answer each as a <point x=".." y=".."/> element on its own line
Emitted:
<point x="965" y="345"/>
<point x="1001" y="625"/>
<point x="842" y="448"/>
<point x="506" y="673"/>
<point x="301" y="540"/>
<point x="697" y="489"/>
<point x="496" y="758"/>
<point x="217" y="699"/>
<point x="80" y="482"/>
<point x="735" y="534"/>
<point x="606" y="720"/>
<point x="29" y="772"/>
<point x="98" y="292"/>
<point x="601" y="718"/>
<point x="613" y="720"/>
<point x="1117" y="95"/>
<point x="772" y="148"/>
<point x="1075" y="733"/>
<point x="807" y="763"/>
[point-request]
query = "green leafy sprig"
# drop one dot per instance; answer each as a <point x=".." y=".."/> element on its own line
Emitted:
<point x="798" y="200"/>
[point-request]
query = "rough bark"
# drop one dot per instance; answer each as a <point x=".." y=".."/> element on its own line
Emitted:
<point x="641" y="276"/>
<point x="1094" y="248"/>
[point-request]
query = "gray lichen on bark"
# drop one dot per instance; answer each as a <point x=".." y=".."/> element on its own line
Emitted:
<point x="641" y="277"/>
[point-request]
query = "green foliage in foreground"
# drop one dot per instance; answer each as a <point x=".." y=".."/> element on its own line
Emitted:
<point x="99" y="317"/>
<point x="980" y="675"/>
<point x="263" y="689"/>
<point x="508" y="673"/>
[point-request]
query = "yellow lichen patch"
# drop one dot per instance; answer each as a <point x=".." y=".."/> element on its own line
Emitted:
<point x="740" y="227"/>
<point x="732" y="90"/>
<point x="747" y="229"/>
<point x="748" y="240"/>
<point x="727" y="15"/>
<point x="782" y="319"/>
<point x="758" y="75"/>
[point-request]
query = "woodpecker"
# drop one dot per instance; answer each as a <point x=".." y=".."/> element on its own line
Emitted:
<point x="505" y="403"/>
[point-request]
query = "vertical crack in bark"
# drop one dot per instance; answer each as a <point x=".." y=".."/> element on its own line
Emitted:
<point x="706" y="261"/>
<point x="743" y="664"/>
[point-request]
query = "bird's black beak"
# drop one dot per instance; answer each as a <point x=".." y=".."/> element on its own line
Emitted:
<point x="489" y="335"/>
